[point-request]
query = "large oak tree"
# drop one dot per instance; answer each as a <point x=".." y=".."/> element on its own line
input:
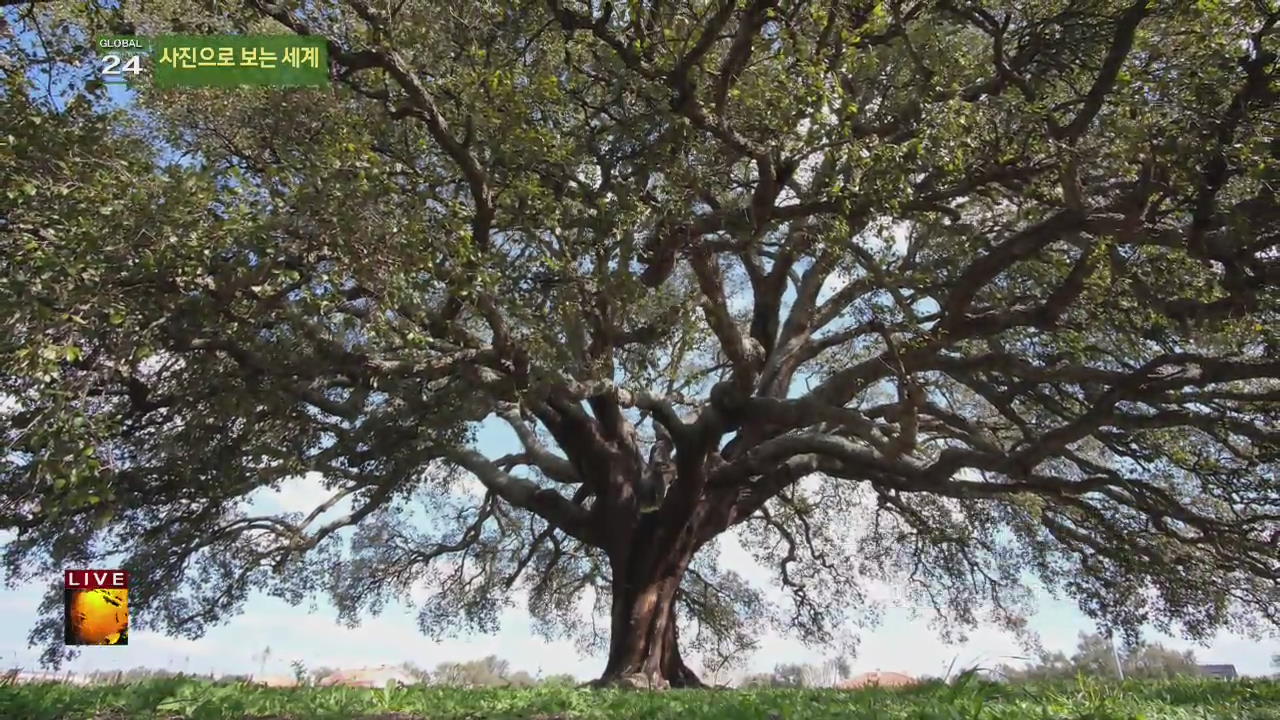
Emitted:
<point x="967" y="295"/>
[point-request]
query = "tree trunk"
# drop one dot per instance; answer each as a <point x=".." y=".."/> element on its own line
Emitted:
<point x="644" y="649"/>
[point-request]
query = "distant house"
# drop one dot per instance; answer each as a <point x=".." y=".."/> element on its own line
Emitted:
<point x="877" y="679"/>
<point x="16" y="675"/>
<point x="1222" y="672"/>
<point x="373" y="677"/>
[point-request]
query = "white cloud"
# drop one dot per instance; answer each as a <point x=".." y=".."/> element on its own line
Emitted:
<point x="837" y="279"/>
<point x="300" y="494"/>
<point x="160" y="364"/>
<point x="9" y="404"/>
<point x="177" y="646"/>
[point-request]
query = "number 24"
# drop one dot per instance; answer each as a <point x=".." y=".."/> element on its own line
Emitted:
<point x="113" y="66"/>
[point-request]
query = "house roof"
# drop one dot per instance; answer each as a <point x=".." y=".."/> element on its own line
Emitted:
<point x="882" y="679"/>
<point x="375" y="677"/>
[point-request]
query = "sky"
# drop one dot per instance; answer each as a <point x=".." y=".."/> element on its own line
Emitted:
<point x="902" y="642"/>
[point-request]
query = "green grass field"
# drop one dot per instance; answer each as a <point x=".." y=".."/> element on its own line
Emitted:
<point x="1081" y="700"/>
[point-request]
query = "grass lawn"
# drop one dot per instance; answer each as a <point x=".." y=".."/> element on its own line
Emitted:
<point x="1080" y="700"/>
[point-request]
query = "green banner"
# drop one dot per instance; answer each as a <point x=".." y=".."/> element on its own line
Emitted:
<point x="230" y="60"/>
<point x="215" y="60"/>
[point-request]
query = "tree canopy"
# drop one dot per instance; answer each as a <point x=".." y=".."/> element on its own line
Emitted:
<point x="968" y="296"/>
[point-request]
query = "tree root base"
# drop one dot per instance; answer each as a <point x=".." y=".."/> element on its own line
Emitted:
<point x="643" y="681"/>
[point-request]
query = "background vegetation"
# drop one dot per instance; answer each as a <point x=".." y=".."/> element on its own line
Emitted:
<point x="1095" y="657"/>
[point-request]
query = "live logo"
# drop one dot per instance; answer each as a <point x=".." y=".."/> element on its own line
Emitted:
<point x="95" y="579"/>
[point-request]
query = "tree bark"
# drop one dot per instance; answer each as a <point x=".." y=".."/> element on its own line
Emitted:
<point x="644" y="648"/>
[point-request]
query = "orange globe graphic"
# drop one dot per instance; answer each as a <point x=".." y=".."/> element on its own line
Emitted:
<point x="99" y="617"/>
